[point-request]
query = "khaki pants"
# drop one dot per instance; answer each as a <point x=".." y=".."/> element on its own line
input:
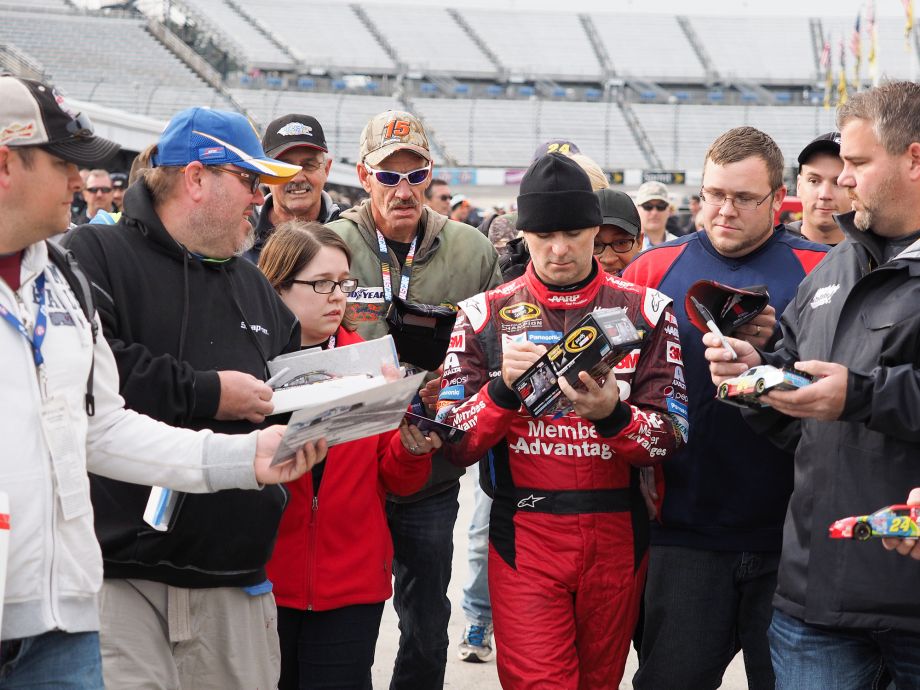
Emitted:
<point x="170" y="638"/>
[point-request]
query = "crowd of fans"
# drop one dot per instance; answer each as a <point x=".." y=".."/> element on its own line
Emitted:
<point x="643" y="512"/>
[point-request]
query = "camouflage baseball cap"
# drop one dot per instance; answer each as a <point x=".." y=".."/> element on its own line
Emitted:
<point x="392" y="131"/>
<point x="502" y="230"/>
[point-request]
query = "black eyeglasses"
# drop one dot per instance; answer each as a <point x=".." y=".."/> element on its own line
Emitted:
<point x="250" y="179"/>
<point x="98" y="190"/>
<point x="741" y="202"/>
<point x="389" y="178"/>
<point x="325" y="287"/>
<point x="656" y="207"/>
<point x="80" y="126"/>
<point x="620" y="246"/>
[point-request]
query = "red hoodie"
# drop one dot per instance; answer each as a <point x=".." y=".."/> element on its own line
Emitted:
<point x="334" y="549"/>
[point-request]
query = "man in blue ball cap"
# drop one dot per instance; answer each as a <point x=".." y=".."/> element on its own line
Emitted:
<point x="191" y="326"/>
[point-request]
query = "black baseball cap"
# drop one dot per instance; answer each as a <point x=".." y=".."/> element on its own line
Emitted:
<point x="618" y="209"/>
<point x="119" y="180"/>
<point x="291" y="131"/>
<point x="36" y="114"/>
<point x="826" y="143"/>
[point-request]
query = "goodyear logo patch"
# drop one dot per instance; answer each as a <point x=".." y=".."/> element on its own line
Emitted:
<point x="580" y="339"/>
<point x="520" y="312"/>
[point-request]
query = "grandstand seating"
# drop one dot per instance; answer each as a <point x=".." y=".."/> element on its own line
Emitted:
<point x="111" y="61"/>
<point x="342" y="116"/>
<point x="427" y="39"/>
<point x="537" y="44"/>
<point x="650" y="46"/>
<point x="323" y="34"/>
<point x="681" y="134"/>
<point x="257" y="48"/>
<point x="763" y="49"/>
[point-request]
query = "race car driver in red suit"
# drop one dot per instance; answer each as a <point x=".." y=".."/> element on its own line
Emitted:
<point x="569" y="527"/>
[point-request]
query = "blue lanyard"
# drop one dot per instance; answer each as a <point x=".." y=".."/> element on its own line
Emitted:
<point x="38" y="334"/>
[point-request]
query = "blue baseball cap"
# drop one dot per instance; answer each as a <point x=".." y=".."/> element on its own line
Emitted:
<point x="218" y="137"/>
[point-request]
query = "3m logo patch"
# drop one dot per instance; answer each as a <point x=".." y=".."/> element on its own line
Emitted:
<point x="457" y="342"/>
<point x="674" y="353"/>
<point x="520" y="312"/>
<point x="580" y="339"/>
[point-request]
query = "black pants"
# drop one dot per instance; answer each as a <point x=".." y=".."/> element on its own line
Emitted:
<point x="328" y="649"/>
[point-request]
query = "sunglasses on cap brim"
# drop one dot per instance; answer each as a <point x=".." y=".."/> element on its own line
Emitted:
<point x="389" y="178"/>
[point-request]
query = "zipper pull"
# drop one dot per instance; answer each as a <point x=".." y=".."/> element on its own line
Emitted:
<point x="315" y="503"/>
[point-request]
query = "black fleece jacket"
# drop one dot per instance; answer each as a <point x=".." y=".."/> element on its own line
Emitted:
<point x="173" y="321"/>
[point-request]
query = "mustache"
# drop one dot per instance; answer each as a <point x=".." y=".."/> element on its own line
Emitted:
<point x="402" y="203"/>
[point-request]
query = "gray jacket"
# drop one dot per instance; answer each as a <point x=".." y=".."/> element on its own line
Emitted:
<point x="856" y="310"/>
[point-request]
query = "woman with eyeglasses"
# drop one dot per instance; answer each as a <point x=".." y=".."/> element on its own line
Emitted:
<point x="330" y="569"/>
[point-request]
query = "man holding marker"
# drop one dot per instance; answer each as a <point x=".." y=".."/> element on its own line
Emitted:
<point x="726" y="493"/>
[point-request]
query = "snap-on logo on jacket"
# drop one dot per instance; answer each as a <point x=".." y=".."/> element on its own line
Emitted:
<point x="520" y="312"/>
<point x="823" y="296"/>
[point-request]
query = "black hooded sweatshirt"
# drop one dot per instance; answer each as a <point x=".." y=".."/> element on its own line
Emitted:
<point x="173" y="320"/>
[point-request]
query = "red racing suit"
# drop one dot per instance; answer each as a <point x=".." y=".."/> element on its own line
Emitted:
<point x="569" y="528"/>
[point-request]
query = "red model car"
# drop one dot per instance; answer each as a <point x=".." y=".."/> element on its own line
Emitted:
<point x="891" y="521"/>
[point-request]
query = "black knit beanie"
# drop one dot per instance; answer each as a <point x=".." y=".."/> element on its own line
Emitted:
<point x="555" y="195"/>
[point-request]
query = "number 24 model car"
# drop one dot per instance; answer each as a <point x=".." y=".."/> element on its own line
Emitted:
<point x="892" y="521"/>
<point x="744" y="390"/>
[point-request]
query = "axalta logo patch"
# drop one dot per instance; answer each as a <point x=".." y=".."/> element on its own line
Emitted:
<point x="823" y="296"/>
<point x="520" y="312"/>
<point x="580" y="339"/>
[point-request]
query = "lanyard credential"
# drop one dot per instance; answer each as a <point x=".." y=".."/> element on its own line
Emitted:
<point x="385" y="268"/>
<point x="38" y="333"/>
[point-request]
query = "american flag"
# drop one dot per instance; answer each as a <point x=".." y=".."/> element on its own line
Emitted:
<point x="856" y="39"/>
<point x="826" y="55"/>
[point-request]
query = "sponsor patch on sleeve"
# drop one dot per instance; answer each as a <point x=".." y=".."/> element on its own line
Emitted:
<point x="477" y="311"/>
<point x="673" y="354"/>
<point x="678" y="413"/>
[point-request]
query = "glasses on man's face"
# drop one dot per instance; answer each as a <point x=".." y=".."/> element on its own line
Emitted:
<point x="311" y="165"/>
<point x="99" y="190"/>
<point x="251" y="180"/>
<point x="325" y="287"/>
<point x="662" y="207"/>
<point x="620" y="246"/>
<point x="741" y="202"/>
<point x="389" y="178"/>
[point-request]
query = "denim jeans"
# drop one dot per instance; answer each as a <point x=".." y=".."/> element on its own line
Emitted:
<point x="701" y="608"/>
<point x="808" y="656"/>
<point x="60" y="660"/>
<point x="423" y="545"/>
<point x="476" y="604"/>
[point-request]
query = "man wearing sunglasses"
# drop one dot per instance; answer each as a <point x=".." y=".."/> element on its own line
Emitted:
<point x="192" y="326"/>
<point x="654" y="210"/>
<point x="98" y="194"/>
<point x="298" y="140"/>
<point x="726" y="491"/>
<point x="402" y="248"/>
<point x="438" y="196"/>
